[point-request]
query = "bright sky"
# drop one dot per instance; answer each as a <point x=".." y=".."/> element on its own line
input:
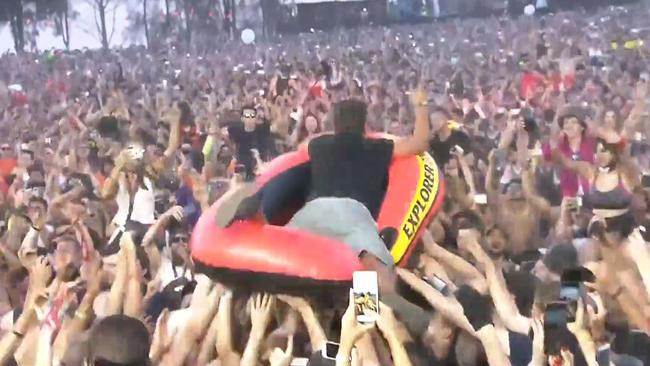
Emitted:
<point x="83" y="32"/>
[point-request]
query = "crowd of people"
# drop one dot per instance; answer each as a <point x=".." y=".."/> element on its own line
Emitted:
<point x="538" y="123"/>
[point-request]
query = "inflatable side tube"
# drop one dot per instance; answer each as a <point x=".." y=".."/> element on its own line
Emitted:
<point x="250" y="254"/>
<point x="415" y="193"/>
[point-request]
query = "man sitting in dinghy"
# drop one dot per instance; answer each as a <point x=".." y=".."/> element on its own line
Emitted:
<point x="349" y="176"/>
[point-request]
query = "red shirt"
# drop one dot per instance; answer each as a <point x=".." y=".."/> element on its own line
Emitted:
<point x="530" y="81"/>
<point x="7" y="167"/>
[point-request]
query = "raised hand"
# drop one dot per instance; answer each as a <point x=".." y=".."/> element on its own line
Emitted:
<point x="161" y="341"/>
<point x="351" y="329"/>
<point x="387" y="321"/>
<point x="176" y="212"/>
<point x="282" y="358"/>
<point x="261" y="305"/>
<point x="419" y="96"/>
<point x="295" y="302"/>
<point x="40" y="273"/>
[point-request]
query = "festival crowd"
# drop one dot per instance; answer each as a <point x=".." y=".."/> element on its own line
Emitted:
<point x="538" y="256"/>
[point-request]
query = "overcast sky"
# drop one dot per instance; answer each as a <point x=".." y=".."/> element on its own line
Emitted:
<point x="83" y="32"/>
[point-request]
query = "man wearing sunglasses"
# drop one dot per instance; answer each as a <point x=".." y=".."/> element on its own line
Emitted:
<point x="251" y="133"/>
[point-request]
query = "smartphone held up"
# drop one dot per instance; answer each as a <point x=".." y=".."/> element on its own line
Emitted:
<point x="365" y="290"/>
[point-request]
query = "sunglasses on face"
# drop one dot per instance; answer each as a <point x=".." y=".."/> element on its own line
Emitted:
<point x="5" y="148"/>
<point x="179" y="239"/>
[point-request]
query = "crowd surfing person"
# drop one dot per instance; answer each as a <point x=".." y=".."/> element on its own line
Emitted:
<point x="539" y="125"/>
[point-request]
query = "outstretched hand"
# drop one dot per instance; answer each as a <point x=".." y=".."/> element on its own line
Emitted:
<point x="261" y="305"/>
<point x="351" y="329"/>
<point x="280" y="357"/>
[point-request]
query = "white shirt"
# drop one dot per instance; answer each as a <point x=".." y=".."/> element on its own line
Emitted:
<point x="144" y="204"/>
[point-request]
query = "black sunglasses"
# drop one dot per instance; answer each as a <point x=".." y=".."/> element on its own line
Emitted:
<point x="180" y="239"/>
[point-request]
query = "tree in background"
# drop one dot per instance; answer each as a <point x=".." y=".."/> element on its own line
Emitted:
<point x="12" y="11"/>
<point x="58" y="14"/>
<point x="138" y="23"/>
<point x="103" y="9"/>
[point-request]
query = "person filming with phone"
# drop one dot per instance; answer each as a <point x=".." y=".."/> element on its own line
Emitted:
<point x="252" y="138"/>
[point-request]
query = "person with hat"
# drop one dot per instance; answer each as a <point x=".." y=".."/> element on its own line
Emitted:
<point x="576" y="144"/>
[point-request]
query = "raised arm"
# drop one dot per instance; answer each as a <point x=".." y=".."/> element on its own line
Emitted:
<point x="317" y="335"/>
<point x="261" y="305"/>
<point x="582" y="168"/>
<point x="388" y="325"/>
<point x="419" y="141"/>
<point x="458" y="265"/>
<point x="503" y="302"/>
<point x="634" y="118"/>
<point x="530" y="194"/>
<point x="450" y="309"/>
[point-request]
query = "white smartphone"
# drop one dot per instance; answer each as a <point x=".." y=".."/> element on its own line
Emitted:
<point x="366" y="296"/>
<point x="480" y="199"/>
<point x="300" y="361"/>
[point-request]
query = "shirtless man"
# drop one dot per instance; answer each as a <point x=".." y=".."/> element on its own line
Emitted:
<point x="519" y="210"/>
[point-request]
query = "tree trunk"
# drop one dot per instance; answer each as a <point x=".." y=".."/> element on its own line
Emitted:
<point x="101" y="7"/>
<point x="17" y="26"/>
<point x="66" y="30"/>
<point x="188" y="24"/>
<point x="227" y="18"/>
<point x="264" y="4"/>
<point x="233" y="13"/>
<point x="167" y="17"/>
<point x="146" y="22"/>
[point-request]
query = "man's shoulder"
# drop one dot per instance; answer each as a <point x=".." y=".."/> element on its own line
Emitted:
<point x="344" y="138"/>
<point x="324" y="138"/>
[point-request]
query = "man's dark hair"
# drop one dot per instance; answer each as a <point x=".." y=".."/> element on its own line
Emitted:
<point x="467" y="219"/>
<point x="561" y="257"/>
<point x="522" y="285"/>
<point x="119" y="340"/>
<point x="187" y="117"/>
<point x="350" y="117"/>
<point x="247" y="107"/>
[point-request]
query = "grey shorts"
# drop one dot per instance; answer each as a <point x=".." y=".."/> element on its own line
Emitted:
<point x="345" y="220"/>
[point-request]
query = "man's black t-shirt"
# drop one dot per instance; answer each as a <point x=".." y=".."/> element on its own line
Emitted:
<point x="441" y="150"/>
<point x="350" y="166"/>
<point x="259" y="139"/>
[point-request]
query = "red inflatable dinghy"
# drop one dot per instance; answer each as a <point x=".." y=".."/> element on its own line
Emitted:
<point x="274" y="258"/>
